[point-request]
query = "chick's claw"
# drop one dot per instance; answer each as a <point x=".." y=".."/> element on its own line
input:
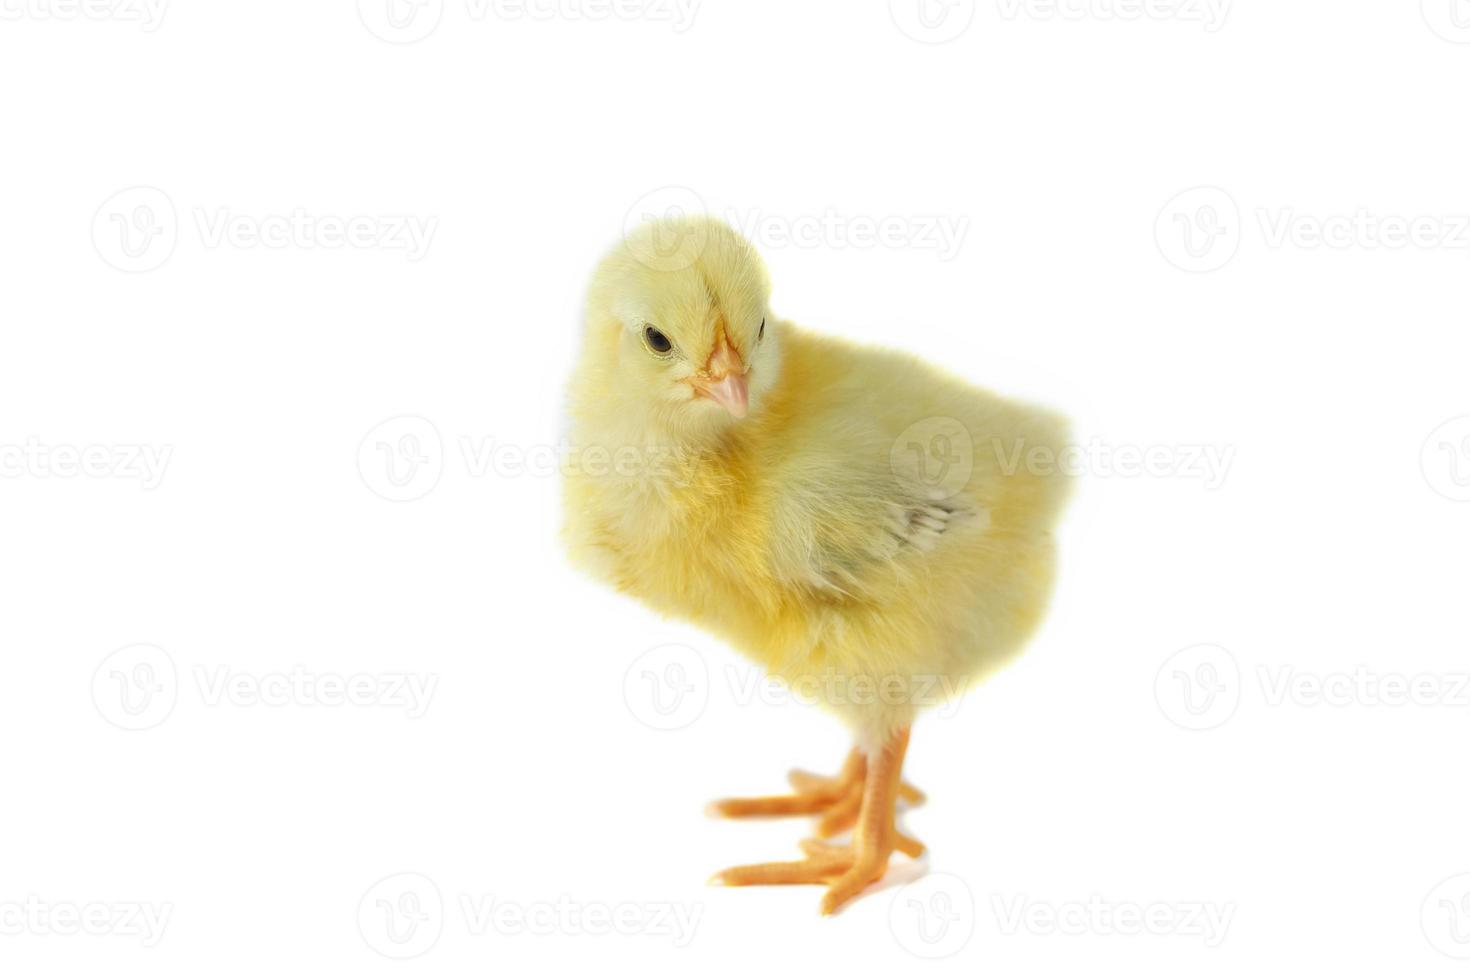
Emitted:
<point x="842" y="869"/>
<point x="867" y="803"/>
<point x="836" y="799"/>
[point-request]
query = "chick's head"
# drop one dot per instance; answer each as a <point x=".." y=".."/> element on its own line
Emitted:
<point x="679" y="332"/>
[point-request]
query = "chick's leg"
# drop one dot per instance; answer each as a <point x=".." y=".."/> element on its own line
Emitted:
<point x="847" y="869"/>
<point x="876" y="835"/>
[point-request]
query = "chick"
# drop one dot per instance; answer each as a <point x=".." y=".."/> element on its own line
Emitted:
<point x="870" y="529"/>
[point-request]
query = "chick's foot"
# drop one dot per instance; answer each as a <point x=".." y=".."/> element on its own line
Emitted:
<point x="836" y="800"/>
<point x="848" y="868"/>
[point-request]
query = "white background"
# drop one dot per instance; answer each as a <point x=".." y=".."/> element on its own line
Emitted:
<point x="1105" y="775"/>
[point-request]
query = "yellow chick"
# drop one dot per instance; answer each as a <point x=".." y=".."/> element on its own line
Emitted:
<point x="872" y="530"/>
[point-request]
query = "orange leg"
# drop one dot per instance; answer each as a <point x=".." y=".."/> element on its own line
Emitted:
<point x="845" y="869"/>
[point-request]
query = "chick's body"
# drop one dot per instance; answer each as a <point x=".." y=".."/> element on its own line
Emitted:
<point x="877" y="532"/>
<point x="834" y="537"/>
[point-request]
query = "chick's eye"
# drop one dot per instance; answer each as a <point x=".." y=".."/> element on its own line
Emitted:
<point x="657" y="342"/>
<point x="762" y="331"/>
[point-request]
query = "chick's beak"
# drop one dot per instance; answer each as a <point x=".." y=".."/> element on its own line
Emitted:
<point x="731" y="392"/>
<point x="723" y="379"/>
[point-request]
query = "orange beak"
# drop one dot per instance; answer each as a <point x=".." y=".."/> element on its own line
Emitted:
<point x="723" y="379"/>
